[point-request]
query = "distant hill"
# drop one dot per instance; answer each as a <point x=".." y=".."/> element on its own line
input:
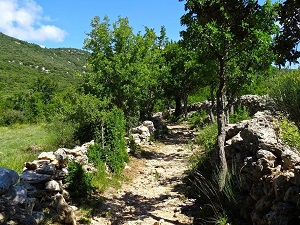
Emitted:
<point x="22" y="62"/>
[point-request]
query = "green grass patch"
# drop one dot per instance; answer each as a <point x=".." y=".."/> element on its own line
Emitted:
<point x="21" y="143"/>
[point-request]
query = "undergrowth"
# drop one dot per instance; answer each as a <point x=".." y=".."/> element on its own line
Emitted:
<point x="289" y="133"/>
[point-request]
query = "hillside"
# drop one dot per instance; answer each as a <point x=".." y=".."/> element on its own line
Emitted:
<point x="22" y="62"/>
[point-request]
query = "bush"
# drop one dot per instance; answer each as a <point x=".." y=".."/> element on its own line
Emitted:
<point x="207" y="137"/>
<point x="286" y="94"/>
<point x="78" y="180"/>
<point x="289" y="133"/>
<point x="198" y="119"/>
<point x="110" y="146"/>
<point x="113" y="140"/>
<point x="11" y="116"/>
<point x="63" y="134"/>
<point x="240" y="114"/>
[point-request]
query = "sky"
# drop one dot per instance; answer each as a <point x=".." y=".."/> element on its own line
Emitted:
<point x="64" y="23"/>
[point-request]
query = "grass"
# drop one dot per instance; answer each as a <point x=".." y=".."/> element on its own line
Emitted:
<point x="21" y="143"/>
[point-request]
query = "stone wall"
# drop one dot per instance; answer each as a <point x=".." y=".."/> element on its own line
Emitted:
<point x="42" y="186"/>
<point x="253" y="103"/>
<point x="268" y="171"/>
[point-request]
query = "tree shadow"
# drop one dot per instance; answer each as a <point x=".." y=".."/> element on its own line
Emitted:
<point x="137" y="207"/>
<point x="129" y="206"/>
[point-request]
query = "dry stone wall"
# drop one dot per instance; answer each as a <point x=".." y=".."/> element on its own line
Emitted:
<point x="42" y="187"/>
<point x="268" y="171"/>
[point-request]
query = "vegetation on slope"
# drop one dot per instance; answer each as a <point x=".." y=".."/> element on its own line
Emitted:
<point x="21" y="63"/>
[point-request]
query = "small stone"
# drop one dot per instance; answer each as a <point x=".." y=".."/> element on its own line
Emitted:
<point x="47" y="155"/>
<point x="52" y="186"/>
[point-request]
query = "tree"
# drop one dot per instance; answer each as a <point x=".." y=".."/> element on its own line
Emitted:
<point x="236" y="35"/>
<point x="124" y="65"/>
<point x="289" y="36"/>
<point x="183" y="77"/>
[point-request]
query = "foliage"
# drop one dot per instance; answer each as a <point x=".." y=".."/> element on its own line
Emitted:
<point x="286" y="94"/>
<point x="236" y="38"/>
<point x="199" y="96"/>
<point x="113" y="140"/>
<point x="78" y="180"/>
<point x="84" y="112"/>
<point x="289" y="37"/>
<point x="63" y="133"/>
<point x="111" y="146"/>
<point x="183" y="76"/>
<point x="21" y="63"/>
<point x="134" y="148"/>
<point x="289" y="133"/>
<point x="207" y="137"/>
<point x="241" y="113"/>
<point x="124" y="65"/>
<point x="198" y="119"/>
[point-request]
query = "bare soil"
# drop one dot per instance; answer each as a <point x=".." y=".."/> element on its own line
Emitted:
<point x="153" y="196"/>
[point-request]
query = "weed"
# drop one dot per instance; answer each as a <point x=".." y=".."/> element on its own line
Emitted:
<point x="289" y="133"/>
<point x="156" y="175"/>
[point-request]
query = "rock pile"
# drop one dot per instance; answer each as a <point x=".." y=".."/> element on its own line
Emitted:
<point x="268" y="170"/>
<point x="142" y="133"/>
<point x="255" y="103"/>
<point x="42" y="186"/>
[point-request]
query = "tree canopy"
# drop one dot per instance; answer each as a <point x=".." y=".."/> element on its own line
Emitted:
<point x="237" y="36"/>
<point x="289" y="37"/>
<point x="124" y="66"/>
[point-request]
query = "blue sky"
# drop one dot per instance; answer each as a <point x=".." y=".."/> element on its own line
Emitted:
<point x="63" y="23"/>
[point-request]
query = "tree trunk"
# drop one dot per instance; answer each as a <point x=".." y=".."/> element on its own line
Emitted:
<point x="211" y="108"/>
<point x="177" y="106"/>
<point x="221" y="119"/>
<point x="185" y="103"/>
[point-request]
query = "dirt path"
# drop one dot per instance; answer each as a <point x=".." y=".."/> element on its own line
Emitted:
<point x="153" y="196"/>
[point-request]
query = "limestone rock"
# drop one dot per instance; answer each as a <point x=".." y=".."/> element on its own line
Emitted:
<point x="47" y="155"/>
<point x="52" y="186"/>
<point x="8" y="178"/>
<point x="65" y="211"/>
<point x="46" y="169"/>
<point x="33" y="178"/>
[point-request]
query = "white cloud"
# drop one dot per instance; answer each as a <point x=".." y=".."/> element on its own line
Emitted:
<point x="23" y="19"/>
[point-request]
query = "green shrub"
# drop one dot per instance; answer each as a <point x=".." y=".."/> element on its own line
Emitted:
<point x="113" y="140"/>
<point x="197" y="120"/>
<point x="207" y="136"/>
<point x="134" y="148"/>
<point x="78" y="180"/>
<point x="286" y="94"/>
<point x="289" y="133"/>
<point x="11" y="116"/>
<point x="110" y="146"/>
<point x="241" y="113"/>
<point x="63" y="134"/>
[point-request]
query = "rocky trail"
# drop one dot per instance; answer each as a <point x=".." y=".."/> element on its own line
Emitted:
<point x="153" y="196"/>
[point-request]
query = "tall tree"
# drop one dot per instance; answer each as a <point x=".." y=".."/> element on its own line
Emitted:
<point x="236" y="34"/>
<point x="183" y="77"/>
<point x="124" y="65"/>
<point x="289" y="38"/>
